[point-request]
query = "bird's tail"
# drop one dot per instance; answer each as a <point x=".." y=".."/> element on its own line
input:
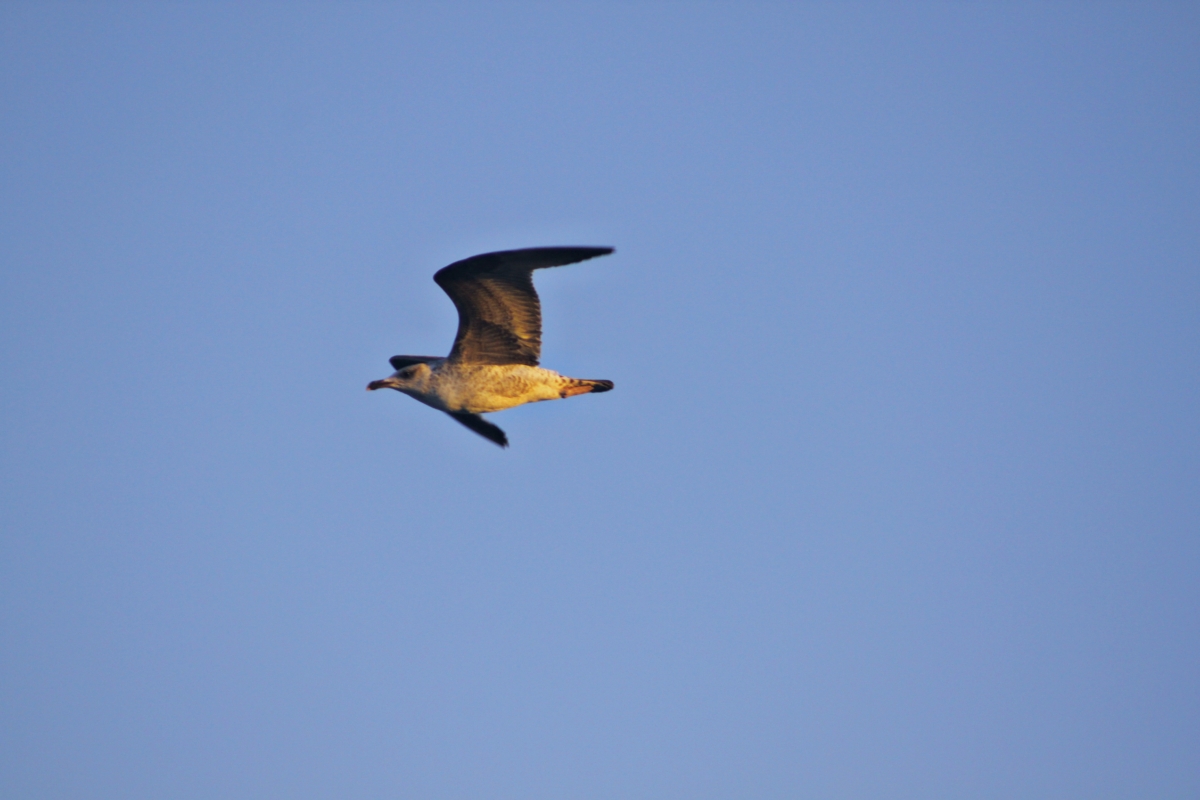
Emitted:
<point x="583" y="386"/>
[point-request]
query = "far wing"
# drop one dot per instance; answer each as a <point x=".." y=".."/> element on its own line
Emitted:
<point x="499" y="317"/>
<point x="481" y="426"/>
<point x="400" y="362"/>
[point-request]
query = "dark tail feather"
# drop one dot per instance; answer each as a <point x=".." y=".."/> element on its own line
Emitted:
<point x="481" y="426"/>
<point x="584" y="386"/>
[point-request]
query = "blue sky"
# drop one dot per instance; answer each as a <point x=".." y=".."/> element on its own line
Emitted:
<point x="897" y="495"/>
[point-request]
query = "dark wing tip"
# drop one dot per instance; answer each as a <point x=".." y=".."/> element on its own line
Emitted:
<point x="481" y="426"/>
<point x="592" y="252"/>
<point x="556" y="256"/>
<point x="527" y="257"/>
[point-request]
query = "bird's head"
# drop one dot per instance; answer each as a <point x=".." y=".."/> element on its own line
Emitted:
<point x="412" y="378"/>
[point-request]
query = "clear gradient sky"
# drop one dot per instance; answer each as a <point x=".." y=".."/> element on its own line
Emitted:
<point x="897" y="496"/>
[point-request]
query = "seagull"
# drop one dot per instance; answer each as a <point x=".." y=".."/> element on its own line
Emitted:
<point x="493" y="364"/>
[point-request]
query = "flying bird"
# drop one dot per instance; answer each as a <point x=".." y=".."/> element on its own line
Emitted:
<point x="493" y="364"/>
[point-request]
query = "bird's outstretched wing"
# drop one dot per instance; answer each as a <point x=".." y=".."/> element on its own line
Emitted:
<point x="481" y="426"/>
<point x="400" y="362"/>
<point x="499" y="317"/>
